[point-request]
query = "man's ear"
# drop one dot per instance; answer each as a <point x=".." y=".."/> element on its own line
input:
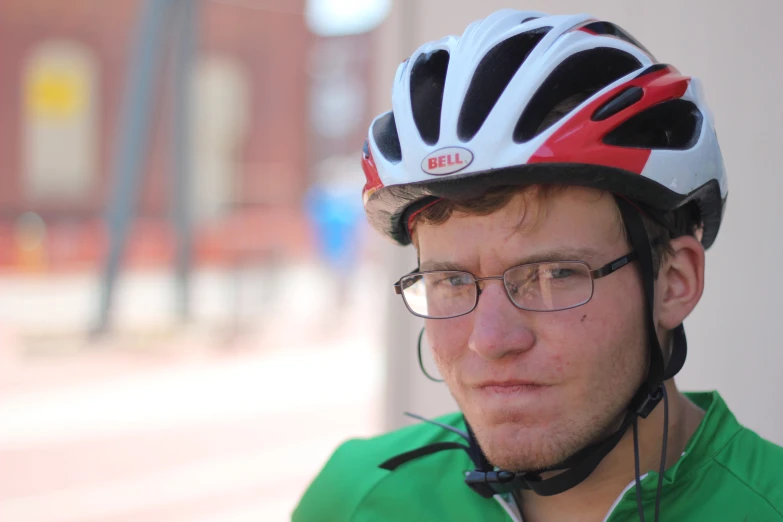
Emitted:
<point x="680" y="281"/>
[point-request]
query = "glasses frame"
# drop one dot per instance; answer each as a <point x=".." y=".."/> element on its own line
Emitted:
<point x="598" y="273"/>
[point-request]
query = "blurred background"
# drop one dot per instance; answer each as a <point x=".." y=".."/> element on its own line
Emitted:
<point x="193" y="312"/>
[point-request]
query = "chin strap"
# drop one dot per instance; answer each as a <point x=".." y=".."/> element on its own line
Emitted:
<point x="488" y="481"/>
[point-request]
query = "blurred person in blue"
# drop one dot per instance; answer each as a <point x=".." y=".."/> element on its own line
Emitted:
<point x="337" y="216"/>
<point x="560" y="186"/>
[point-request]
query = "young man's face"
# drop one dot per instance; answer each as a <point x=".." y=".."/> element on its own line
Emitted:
<point x="584" y="364"/>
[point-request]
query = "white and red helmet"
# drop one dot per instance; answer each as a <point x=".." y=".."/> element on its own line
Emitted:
<point x="474" y="112"/>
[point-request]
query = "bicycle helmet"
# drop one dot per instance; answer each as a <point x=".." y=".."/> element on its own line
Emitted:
<point x="473" y="112"/>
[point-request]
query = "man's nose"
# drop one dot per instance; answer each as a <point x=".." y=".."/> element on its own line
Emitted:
<point x="499" y="327"/>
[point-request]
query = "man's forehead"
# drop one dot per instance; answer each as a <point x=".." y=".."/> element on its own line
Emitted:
<point x="573" y="225"/>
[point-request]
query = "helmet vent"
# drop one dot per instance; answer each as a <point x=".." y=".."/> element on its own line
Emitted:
<point x="491" y="78"/>
<point x="573" y="81"/>
<point x="610" y="29"/>
<point x="673" y="124"/>
<point x="653" y="68"/>
<point x="428" y="77"/>
<point x="386" y="138"/>
<point x="619" y="102"/>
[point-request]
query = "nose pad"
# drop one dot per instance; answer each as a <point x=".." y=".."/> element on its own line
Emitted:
<point x="481" y="284"/>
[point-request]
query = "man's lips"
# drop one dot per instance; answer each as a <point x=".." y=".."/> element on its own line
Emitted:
<point x="511" y="387"/>
<point x="509" y="383"/>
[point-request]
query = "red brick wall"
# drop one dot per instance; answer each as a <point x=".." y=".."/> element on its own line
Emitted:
<point x="273" y="47"/>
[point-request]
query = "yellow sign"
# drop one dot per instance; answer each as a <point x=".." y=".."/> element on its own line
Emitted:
<point x="55" y="92"/>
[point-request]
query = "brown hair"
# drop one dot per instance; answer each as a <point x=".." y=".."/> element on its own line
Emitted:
<point x="683" y="221"/>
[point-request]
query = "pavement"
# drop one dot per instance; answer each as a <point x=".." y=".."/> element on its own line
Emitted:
<point x="178" y="423"/>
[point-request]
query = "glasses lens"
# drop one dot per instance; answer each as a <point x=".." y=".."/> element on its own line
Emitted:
<point x="546" y="287"/>
<point x="438" y="295"/>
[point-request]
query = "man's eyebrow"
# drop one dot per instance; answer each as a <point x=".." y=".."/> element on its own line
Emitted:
<point x="441" y="265"/>
<point x="559" y="254"/>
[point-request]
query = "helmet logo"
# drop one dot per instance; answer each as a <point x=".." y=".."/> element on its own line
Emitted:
<point x="447" y="160"/>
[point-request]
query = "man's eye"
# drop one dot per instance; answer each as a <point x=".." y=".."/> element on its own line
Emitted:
<point x="560" y="273"/>
<point x="451" y="280"/>
<point x="458" y="280"/>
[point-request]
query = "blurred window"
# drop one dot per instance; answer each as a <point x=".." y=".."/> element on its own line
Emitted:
<point x="60" y="114"/>
<point x="220" y="113"/>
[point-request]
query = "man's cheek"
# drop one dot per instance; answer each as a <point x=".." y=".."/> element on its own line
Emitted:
<point x="448" y="339"/>
<point x="572" y="343"/>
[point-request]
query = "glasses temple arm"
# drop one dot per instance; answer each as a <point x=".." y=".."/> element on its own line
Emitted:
<point x="613" y="266"/>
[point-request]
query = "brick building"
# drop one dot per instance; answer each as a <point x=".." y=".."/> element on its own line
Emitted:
<point x="63" y="67"/>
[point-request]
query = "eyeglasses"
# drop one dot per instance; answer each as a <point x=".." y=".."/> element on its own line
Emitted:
<point x="537" y="287"/>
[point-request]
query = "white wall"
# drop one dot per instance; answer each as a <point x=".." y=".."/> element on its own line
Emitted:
<point x="734" y="47"/>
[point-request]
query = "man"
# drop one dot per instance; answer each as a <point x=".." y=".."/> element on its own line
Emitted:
<point x="560" y="187"/>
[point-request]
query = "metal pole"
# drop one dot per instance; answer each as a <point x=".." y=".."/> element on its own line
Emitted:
<point x="131" y="148"/>
<point x="183" y="52"/>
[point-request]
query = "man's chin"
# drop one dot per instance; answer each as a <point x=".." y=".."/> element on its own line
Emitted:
<point x="517" y="448"/>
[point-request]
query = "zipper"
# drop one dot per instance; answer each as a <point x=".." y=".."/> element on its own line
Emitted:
<point x="512" y="510"/>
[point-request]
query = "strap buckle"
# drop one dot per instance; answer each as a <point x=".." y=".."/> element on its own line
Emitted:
<point x="650" y="402"/>
<point x="490" y="483"/>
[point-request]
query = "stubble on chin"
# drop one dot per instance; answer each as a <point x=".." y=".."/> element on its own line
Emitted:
<point x="527" y="446"/>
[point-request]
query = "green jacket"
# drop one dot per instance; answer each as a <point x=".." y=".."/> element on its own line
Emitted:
<point x="726" y="473"/>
